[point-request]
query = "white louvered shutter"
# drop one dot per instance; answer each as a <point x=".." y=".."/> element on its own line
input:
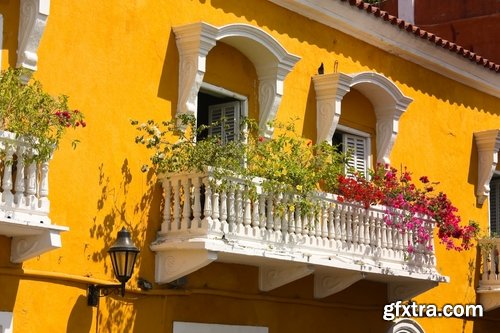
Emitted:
<point x="495" y="206"/>
<point x="227" y="115"/>
<point x="356" y="146"/>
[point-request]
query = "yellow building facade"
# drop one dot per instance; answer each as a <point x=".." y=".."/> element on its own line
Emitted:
<point x="414" y="102"/>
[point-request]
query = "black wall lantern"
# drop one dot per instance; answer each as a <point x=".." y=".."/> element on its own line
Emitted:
<point x="123" y="254"/>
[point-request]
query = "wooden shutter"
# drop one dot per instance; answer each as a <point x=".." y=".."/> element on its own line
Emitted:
<point x="495" y="207"/>
<point x="227" y="116"/>
<point x="356" y="146"/>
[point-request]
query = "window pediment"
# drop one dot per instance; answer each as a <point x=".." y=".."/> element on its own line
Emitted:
<point x="388" y="102"/>
<point x="272" y="63"/>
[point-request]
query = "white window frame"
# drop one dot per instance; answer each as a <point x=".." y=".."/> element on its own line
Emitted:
<point x="367" y="136"/>
<point x="186" y="327"/>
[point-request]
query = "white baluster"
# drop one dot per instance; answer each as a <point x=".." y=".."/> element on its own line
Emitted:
<point x="209" y="207"/>
<point x="186" y="207"/>
<point x="367" y="223"/>
<point x="343" y="224"/>
<point x="223" y="212"/>
<point x="197" y="202"/>
<point x="231" y="218"/>
<point x="383" y="232"/>
<point x="167" y="190"/>
<point x="348" y="227"/>
<point x="306" y="226"/>
<point x="298" y="220"/>
<point x="270" y="212"/>
<point x="7" y="195"/>
<point x="284" y="219"/>
<point x="336" y="222"/>
<point x="247" y="217"/>
<point x="279" y="214"/>
<point x="331" y="221"/>
<point x="238" y="207"/>
<point x="379" y="223"/>
<point x="356" y="222"/>
<point x="262" y="211"/>
<point x="324" y="220"/>
<point x="291" y="216"/>
<point x="19" y="197"/>
<point x="31" y="185"/>
<point x="177" y="204"/>
<point x="256" y="213"/>
<point x="216" y="225"/>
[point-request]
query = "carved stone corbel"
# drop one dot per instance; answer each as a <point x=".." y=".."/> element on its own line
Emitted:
<point x="33" y="19"/>
<point x="330" y="89"/>
<point x="272" y="277"/>
<point x="488" y="144"/>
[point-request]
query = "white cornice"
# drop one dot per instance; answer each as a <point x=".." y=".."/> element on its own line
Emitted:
<point x="375" y="31"/>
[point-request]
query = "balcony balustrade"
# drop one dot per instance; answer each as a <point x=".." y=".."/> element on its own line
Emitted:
<point x="489" y="283"/>
<point x="24" y="202"/>
<point x="340" y="243"/>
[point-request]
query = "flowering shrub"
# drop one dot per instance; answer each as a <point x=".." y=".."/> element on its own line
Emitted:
<point x="287" y="163"/>
<point x="409" y="205"/>
<point x="34" y="115"/>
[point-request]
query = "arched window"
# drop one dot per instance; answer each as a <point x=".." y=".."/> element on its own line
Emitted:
<point x="271" y="61"/>
<point x="387" y="100"/>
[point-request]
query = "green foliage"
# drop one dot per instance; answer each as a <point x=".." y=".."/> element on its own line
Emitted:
<point x="33" y="115"/>
<point x="287" y="163"/>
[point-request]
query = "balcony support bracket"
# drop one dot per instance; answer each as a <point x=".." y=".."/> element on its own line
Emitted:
<point x="407" y="290"/>
<point x="272" y="277"/>
<point x="328" y="284"/>
<point x="173" y="264"/>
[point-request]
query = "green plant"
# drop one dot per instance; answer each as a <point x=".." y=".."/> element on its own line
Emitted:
<point x="33" y="115"/>
<point x="286" y="163"/>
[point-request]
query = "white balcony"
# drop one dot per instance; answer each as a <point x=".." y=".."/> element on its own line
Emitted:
<point x="340" y="243"/>
<point x="489" y="283"/>
<point x="24" y="202"/>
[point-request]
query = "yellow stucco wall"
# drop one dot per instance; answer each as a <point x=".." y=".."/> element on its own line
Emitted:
<point x="118" y="60"/>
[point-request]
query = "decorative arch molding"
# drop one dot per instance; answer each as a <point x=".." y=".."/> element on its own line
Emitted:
<point x="32" y="22"/>
<point x="488" y="145"/>
<point x="406" y="326"/>
<point x="272" y="63"/>
<point x="388" y="102"/>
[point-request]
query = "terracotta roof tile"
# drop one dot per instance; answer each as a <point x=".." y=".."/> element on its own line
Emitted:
<point x="410" y="28"/>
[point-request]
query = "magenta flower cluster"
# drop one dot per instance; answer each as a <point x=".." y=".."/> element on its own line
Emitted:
<point x="408" y="207"/>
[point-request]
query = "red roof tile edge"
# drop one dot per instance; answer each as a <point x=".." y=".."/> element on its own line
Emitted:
<point x="403" y="25"/>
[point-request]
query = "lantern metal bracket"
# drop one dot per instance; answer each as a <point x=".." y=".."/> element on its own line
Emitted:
<point x="94" y="291"/>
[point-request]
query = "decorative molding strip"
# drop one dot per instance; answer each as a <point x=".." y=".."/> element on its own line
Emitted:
<point x="272" y="63"/>
<point x="388" y="101"/>
<point x="32" y="22"/>
<point x="488" y="144"/>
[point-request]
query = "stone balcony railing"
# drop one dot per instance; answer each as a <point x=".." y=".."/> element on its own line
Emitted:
<point x="24" y="202"/>
<point x="340" y="243"/>
<point x="489" y="283"/>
